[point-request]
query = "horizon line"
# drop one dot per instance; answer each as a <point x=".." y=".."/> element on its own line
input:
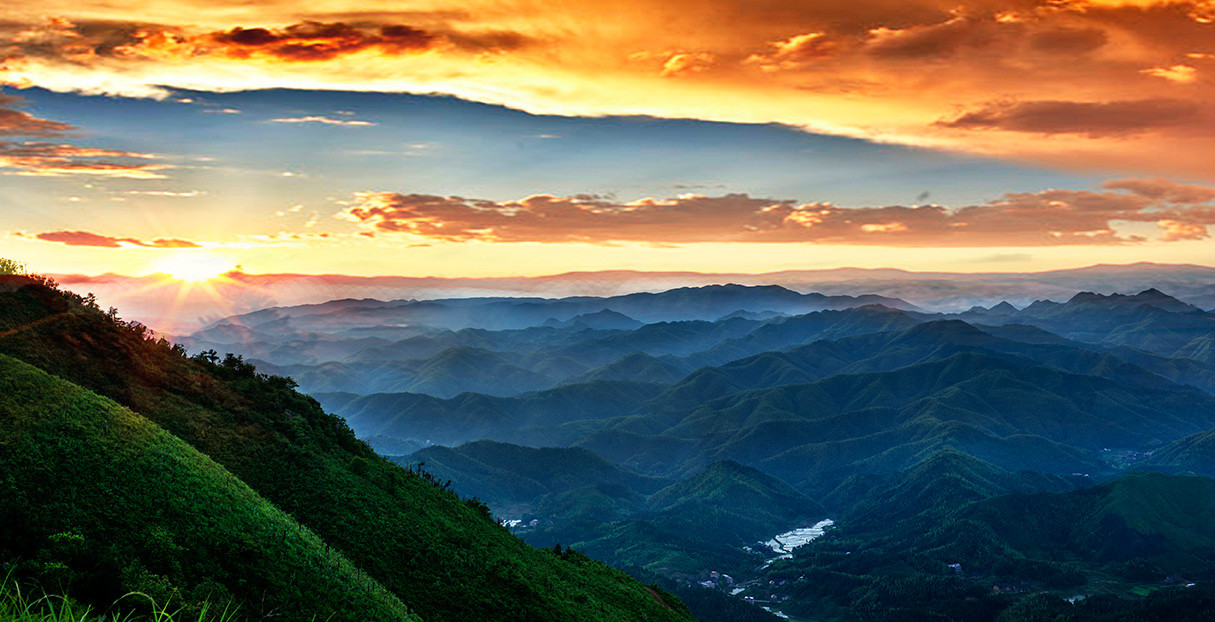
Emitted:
<point x="627" y="271"/>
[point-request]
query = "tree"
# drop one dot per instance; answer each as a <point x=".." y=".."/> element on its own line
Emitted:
<point x="11" y="266"/>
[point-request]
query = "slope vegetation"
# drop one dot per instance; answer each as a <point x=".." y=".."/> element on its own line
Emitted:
<point x="446" y="559"/>
<point x="99" y="501"/>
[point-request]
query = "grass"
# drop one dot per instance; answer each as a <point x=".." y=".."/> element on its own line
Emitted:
<point x="22" y="605"/>
<point x="102" y="504"/>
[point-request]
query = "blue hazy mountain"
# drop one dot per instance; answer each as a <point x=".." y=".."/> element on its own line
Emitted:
<point x="969" y="460"/>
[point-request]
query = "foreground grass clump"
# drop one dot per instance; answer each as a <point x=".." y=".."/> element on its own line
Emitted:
<point x="17" y="605"/>
<point x="26" y="605"/>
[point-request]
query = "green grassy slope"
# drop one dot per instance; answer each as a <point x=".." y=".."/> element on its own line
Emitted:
<point x="441" y="556"/>
<point x="98" y="501"/>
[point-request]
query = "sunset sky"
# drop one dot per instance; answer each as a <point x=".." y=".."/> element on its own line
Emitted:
<point x="492" y="138"/>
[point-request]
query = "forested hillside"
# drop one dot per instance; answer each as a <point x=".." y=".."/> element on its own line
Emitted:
<point x="444" y="558"/>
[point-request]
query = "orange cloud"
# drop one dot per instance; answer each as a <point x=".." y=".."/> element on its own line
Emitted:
<point x="794" y="52"/>
<point x="1092" y="119"/>
<point x="547" y="218"/>
<point x="21" y="123"/>
<point x="930" y="40"/>
<point x="1066" y="40"/>
<point x="1047" y="218"/>
<point x="84" y="238"/>
<point x="1164" y="190"/>
<point x="687" y="62"/>
<point x="47" y="159"/>
<point x="1174" y="230"/>
<point x="1177" y="73"/>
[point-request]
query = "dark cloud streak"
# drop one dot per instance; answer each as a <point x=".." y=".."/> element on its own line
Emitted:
<point x="84" y="41"/>
<point x="317" y="41"/>
<point x="1093" y="119"/>
<point x="50" y="159"/>
<point x="21" y="123"/>
<point x="43" y="158"/>
<point x="85" y="238"/>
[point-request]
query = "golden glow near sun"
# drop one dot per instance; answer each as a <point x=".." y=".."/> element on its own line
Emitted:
<point x="194" y="267"/>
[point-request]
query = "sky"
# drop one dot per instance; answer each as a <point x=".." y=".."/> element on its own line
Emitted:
<point x="501" y="138"/>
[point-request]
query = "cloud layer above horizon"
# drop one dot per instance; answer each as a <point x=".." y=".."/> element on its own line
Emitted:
<point x="1122" y="85"/>
<point x="1047" y="218"/>
<point x="509" y="137"/>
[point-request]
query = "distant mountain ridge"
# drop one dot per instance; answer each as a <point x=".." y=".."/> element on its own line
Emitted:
<point x="708" y="302"/>
<point x="612" y="425"/>
<point x="390" y="357"/>
<point x="605" y="319"/>
<point x="1149" y="320"/>
<point x="937" y="291"/>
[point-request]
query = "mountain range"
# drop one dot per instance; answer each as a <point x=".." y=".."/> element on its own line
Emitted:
<point x="157" y="301"/>
<point x="736" y="447"/>
<point x="372" y="347"/>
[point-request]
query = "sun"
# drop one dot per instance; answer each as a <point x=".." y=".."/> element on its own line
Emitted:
<point x="194" y="267"/>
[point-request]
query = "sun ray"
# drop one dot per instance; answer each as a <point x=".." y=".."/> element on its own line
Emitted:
<point x="194" y="267"/>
